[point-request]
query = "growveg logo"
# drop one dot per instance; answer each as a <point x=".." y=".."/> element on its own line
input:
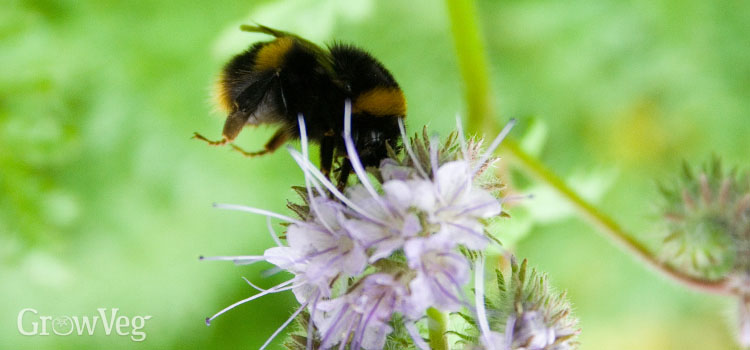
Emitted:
<point x="31" y="323"/>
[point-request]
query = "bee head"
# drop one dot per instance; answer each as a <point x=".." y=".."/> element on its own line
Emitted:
<point x="373" y="136"/>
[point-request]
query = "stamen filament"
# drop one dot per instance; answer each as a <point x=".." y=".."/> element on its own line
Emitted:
<point x="256" y="296"/>
<point x="434" y="143"/>
<point x="302" y="163"/>
<point x="495" y="143"/>
<point x="354" y="157"/>
<point x="414" y="333"/>
<point x="461" y="140"/>
<point x="255" y="211"/>
<point x="252" y="285"/>
<point x="238" y="260"/>
<point x="409" y="150"/>
<point x="286" y="323"/>
<point x="310" y="324"/>
<point x="484" y="325"/>
<point x="272" y="232"/>
<point x="305" y="154"/>
<point x="517" y="197"/>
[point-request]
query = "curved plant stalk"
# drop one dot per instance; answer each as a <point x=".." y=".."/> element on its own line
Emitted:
<point x="474" y="71"/>
<point x="608" y="226"/>
<point x="472" y="63"/>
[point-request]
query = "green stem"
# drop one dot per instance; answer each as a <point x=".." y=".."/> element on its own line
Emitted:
<point x="473" y="67"/>
<point x="471" y="62"/>
<point x="437" y="323"/>
<point x="607" y="225"/>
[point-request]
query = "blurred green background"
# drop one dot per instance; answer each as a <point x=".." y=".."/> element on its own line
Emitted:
<point x="105" y="201"/>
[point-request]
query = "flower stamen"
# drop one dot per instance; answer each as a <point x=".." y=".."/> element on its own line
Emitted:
<point x="278" y="288"/>
<point x="409" y="150"/>
<point x="255" y="211"/>
<point x="484" y="325"/>
<point x="286" y="323"/>
<point x="494" y="145"/>
<point x="354" y="157"/>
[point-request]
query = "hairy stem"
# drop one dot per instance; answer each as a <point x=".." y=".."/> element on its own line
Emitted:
<point x="473" y="67"/>
<point x="437" y="323"/>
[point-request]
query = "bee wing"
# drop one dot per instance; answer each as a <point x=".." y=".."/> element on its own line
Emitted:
<point x="248" y="101"/>
<point x="252" y="96"/>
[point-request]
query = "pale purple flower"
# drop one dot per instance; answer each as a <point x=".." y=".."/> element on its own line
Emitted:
<point x="292" y="261"/>
<point x="362" y="313"/>
<point x="530" y="331"/>
<point x="325" y="245"/>
<point x="395" y="223"/>
<point x="417" y="193"/>
<point x="382" y="241"/>
<point x="441" y="274"/>
<point x="333" y="249"/>
<point x="450" y="202"/>
<point x="460" y="206"/>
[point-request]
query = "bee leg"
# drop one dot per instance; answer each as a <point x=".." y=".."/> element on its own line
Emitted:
<point x="212" y="143"/>
<point x="326" y="155"/>
<point x="278" y="139"/>
<point x="344" y="171"/>
<point x="232" y="127"/>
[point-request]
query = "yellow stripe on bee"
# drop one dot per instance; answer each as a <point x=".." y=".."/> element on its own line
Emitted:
<point x="381" y="101"/>
<point x="222" y="95"/>
<point x="271" y="56"/>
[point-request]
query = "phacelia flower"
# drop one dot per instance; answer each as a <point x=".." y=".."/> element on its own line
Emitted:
<point x="387" y="247"/>
<point x="362" y="314"/>
<point x="327" y="247"/>
<point x="441" y="273"/>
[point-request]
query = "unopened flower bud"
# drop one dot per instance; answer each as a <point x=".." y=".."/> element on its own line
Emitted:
<point x="707" y="219"/>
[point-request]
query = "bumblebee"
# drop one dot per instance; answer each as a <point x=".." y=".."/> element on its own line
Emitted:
<point x="275" y="81"/>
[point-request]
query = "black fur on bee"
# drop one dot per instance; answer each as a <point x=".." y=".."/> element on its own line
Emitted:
<point x="273" y="82"/>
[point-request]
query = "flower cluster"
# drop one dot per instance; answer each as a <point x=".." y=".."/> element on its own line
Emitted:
<point x="368" y="261"/>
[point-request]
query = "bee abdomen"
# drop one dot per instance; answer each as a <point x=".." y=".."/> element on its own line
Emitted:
<point x="381" y="101"/>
